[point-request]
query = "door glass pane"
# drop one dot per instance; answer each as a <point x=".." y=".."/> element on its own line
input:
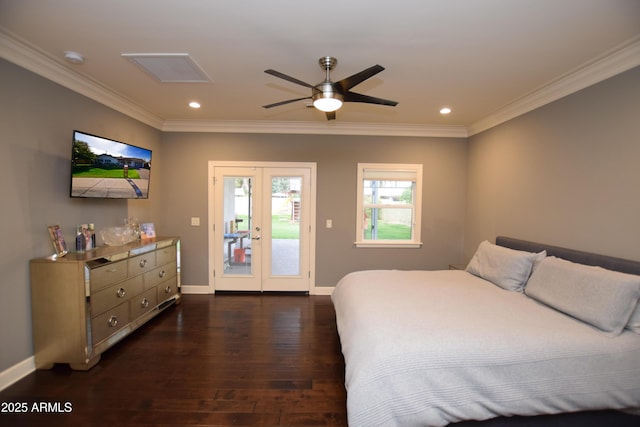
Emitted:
<point x="237" y="208"/>
<point x="285" y="225"/>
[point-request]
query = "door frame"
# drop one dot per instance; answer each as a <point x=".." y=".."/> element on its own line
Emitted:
<point x="259" y="164"/>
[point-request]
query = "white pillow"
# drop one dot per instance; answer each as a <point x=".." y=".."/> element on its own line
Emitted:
<point x="507" y="268"/>
<point x="600" y="297"/>
<point x="634" y="321"/>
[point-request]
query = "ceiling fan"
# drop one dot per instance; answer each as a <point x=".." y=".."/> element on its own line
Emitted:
<point x="328" y="96"/>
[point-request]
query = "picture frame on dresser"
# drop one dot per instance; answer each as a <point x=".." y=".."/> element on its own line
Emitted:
<point x="57" y="240"/>
<point x="147" y="231"/>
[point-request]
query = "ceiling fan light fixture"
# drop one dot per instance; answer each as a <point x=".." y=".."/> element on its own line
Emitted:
<point x="327" y="99"/>
<point x="327" y="104"/>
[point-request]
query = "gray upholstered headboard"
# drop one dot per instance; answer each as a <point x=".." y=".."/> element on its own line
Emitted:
<point x="610" y="263"/>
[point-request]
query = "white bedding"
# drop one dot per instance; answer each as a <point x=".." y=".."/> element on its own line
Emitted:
<point x="428" y="348"/>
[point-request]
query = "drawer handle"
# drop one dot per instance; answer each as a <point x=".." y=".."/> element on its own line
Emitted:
<point x="143" y="263"/>
<point x="121" y="293"/>
<point x="144" y="303"/>
<point x="167" y="290"/>
<point x="113" y="322"/>
<point x="162" y="273"/>
<point x="112" y="270"/>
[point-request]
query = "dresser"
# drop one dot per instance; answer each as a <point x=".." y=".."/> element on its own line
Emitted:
<point x="84" y="303"/>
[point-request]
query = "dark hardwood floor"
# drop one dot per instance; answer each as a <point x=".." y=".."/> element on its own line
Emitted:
<point x="241" y="360"/>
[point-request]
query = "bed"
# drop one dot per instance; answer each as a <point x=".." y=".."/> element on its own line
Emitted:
<point x="527" y="329"/>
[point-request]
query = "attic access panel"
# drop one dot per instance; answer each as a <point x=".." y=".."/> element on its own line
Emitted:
<point x="169" y="67"/>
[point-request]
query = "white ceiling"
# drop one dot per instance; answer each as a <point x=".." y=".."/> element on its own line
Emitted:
<point x="489" y="60"/>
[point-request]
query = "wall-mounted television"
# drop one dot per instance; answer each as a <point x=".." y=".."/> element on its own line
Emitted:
<point x="107" y="169"/>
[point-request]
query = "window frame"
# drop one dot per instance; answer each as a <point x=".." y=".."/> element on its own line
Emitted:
<point x="382" y="168"/>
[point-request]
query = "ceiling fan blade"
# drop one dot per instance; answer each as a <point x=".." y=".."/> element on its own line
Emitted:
<point x="285" y="102"/>
<point x="358" y="97"/>
<point x="287" y="78"/>
<point x="331" y="115"/>
<point x="358" y="78"/>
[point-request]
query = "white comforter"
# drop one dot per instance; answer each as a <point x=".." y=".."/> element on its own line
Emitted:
<point x="427" y="348"/>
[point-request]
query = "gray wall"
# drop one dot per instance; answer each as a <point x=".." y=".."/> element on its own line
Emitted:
<point x="566" y="174"/>
<point x="37" y="119"/>
<point x="444" y="160"/>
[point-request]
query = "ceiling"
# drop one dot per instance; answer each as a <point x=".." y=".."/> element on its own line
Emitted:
<point x="488" y="60"/>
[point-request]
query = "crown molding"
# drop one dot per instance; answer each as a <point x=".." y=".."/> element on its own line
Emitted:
<point x="27" y="56"/>
<point x="618" y="60"/>
<point x="319" y="128"/>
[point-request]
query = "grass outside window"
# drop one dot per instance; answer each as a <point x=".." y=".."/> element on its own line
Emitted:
<point x="390" y="231"/>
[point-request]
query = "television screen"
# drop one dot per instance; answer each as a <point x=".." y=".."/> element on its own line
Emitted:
<point x="107" y="169"/>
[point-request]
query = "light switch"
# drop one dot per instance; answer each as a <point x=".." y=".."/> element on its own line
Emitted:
<point x="195" y="221"/>
<point x="329" y="223"/>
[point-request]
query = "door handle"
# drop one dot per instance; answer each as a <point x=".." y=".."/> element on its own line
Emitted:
<point x="255" y="238"/>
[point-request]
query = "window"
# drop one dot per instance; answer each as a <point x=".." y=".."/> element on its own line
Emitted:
<point x="389" y="200"/>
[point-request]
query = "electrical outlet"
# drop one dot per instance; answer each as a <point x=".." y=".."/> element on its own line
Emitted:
<point x="195" y="221"/>
<point x="329" y="223"/>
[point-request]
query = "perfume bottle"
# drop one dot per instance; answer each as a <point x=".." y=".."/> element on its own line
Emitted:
<point x="79" y="239"/>
<point x="92" y="232"/>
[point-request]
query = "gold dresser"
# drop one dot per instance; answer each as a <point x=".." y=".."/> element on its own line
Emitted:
<point x="83" y="303"/>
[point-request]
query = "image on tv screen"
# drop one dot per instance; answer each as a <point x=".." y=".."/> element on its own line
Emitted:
<point x="108" y="169"/>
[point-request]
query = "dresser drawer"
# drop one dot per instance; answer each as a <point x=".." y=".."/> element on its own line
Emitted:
<point x="165" y="255"/>
<point x="115" y="294"/>
<point x="109" y="322"/>
<point x="141" y="263"/>
<point x="159" y="274"/>
<point x="166" y="290"/>
<point x="108" y="274"/>
<point x="142" y="303"/>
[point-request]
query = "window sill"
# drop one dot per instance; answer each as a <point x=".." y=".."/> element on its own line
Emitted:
<point x="388" y="244"/>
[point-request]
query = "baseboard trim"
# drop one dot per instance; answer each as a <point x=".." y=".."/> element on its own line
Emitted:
<point x="322" y="290"/>
<point x="202" y="290"/>
<point x="17" y="372"/>
<point x="194" y="289"/>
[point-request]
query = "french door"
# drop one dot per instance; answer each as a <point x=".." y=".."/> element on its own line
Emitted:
<point x="262" y="227"/>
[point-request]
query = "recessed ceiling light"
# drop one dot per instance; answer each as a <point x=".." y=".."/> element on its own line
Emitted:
<point x="445" y="110"/>
<point x="194" y="104"/>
